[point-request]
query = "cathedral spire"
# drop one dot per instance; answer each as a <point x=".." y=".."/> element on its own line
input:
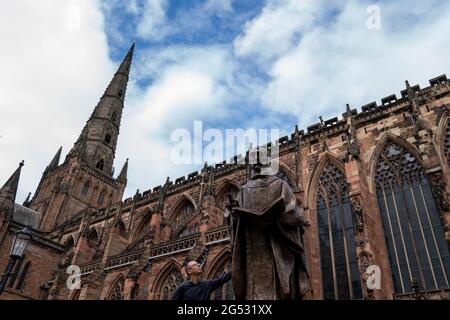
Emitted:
<point x="52" y="165"/>
<point x="123" y="173"/>
<point x="9" y="190"/>
<point x="98" y="140"/>
<point x="55" y="161"/>
<point x="119" y="83"/>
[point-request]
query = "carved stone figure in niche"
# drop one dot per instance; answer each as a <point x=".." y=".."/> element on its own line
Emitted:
<point x="358" y="216"/>
<point x="365" y="260"/>
<point x="439" y="191"/>
<point x="268" y="259"/>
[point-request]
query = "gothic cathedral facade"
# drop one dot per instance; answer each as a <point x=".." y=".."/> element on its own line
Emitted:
<point x="374" y="186"/>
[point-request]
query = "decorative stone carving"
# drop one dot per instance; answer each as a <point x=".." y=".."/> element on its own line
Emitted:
<point x="439" y="191"/>
<point x="358" y="215"/>
<point x="171" y="283"/>
<point x="94" y="280"/>
<point x="353" y="147"/>
<point x="365" y="260"/>
<point x="440" y="112"/>
<point x="117" y="291"/>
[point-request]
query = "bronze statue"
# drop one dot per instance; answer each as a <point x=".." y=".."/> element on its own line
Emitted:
<point x="268" y="259"/>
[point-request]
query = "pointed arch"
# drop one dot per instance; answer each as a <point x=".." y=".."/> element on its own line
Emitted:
<point x="169" y="278"/>
<point x="227" y="186"/>
<point x="85" y="189"/>
<point x="384" y="139"/>
<point x="286" y="174"/>
<point x="93" y="236"/>
<point x="227" y="182"/>
<point x="217" y="262"/>
<point x="121" y="227"/>
<point x="314" y="181"/>
<point x="183" y="197"/>
<point x="329" y="195"/>
<point x="442" y="138"/>
<point x="411" y="220"/>
<point x="101" y="197"/>
<point x="183" y="213"/>
<point x="100" y="164"/>
<point x="116" y="290"/>
<point x="141" y="224"/>
<point x="220" y="264"/>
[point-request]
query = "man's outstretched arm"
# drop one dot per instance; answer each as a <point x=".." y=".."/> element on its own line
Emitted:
<point x="220" y="281"/>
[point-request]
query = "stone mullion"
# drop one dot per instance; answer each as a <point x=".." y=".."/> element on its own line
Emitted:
<point x="358" y="194"/>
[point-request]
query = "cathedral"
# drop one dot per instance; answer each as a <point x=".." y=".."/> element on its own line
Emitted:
<point x="373" y="186"/>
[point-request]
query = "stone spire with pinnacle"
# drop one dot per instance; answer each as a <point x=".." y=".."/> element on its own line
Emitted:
<point x="52" y="165"/>
<point x="123" y="173"/>
<point x="98" y="140"/>
<point x="27" y="201"/>
<point x="9" y="190"/>
<point x="55" y="161"/>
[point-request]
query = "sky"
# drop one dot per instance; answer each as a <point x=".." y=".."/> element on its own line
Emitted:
<point x="267" y="64"/>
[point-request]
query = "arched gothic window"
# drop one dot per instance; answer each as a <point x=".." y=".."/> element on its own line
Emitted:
<point x="117" y="290"/>
<point x="222" y="196"/>
<point x="100" y="165"/>
<point x="17" y="269"/>
<point x="181" y="217"/>
<point x="226" y="291"/>
<point x="170" y="284"/>
<point x="92" y="237"/>
<point x="85" y="189"/>
<point x="411" y="222"/>
<point x="447" y="142"/>
<point x="340" y="275"/>
<point x="101" y="197"/>
<point x="21" y="283"/>
<point x="121" y="228"/>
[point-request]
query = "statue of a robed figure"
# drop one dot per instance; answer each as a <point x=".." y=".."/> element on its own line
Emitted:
<point x="268" y="258"/>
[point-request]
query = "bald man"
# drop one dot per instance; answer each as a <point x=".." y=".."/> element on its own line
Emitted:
<point x="194" y="288"/>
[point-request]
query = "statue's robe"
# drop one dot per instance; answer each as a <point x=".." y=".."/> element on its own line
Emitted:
<point x="268" y="260"/>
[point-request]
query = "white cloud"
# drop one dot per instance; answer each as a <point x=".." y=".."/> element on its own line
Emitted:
<point x="338" y="60"/>
<point x="274" y="31"/>
<point x="151" y="23"/>
<point x="218" y="7"/>
<point x="55" y="66"/>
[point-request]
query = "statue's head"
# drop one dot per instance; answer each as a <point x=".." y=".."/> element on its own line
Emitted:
<point x="193" y="268"/>
<point x="258" y="167"/>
